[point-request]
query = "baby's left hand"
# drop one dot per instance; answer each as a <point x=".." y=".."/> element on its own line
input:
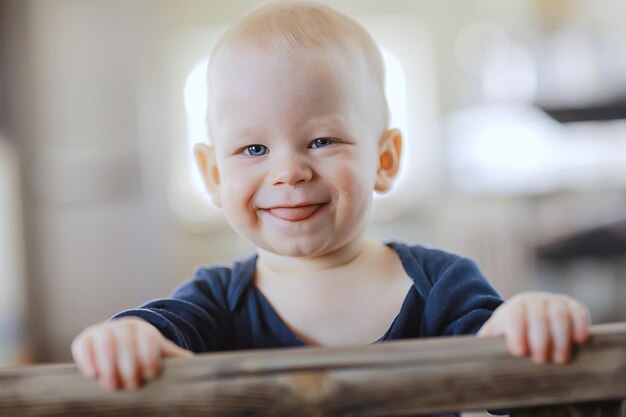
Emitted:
<point x="540" y="324"/>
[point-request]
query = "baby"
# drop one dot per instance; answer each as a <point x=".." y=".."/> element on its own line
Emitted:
<point x="300" y="141"/>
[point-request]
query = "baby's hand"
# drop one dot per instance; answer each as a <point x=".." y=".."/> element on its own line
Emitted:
<point x="542" y="325"/>
<point x="123" y="353"/>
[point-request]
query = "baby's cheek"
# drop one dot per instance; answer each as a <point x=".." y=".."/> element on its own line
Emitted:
<point x="356" y="191"/>
<point x="236" y="201"/>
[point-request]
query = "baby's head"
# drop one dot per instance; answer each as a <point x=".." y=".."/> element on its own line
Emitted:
<point x="298" y="121"/>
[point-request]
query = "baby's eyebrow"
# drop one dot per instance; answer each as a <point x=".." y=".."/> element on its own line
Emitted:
<point x="329" y="121"/>
<point x="246" y="132"/>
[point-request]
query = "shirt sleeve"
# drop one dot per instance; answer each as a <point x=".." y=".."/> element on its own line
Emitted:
<point x="460" y="300"/>
<point x="196" y="316"/>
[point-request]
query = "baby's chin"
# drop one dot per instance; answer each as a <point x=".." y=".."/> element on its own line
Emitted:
<point x="300" y="248"/>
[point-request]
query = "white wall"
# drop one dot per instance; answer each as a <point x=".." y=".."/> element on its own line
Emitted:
<point x="13" y="335"/>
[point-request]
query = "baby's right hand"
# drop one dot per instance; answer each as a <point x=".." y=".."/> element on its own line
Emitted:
<point x="123" y="353"/>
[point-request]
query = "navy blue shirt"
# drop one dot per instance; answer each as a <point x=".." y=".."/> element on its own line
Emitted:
<point x="221" y="308"/>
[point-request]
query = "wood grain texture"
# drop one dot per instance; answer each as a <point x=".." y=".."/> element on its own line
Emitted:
<point x="400" y="378"/>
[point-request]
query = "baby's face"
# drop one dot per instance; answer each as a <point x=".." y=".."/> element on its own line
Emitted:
<point x="296" y="145"/>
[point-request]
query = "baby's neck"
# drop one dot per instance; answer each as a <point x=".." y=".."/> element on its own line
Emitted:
<point x="289" y="265"/>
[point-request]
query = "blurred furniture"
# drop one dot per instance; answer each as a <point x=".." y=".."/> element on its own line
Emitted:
<point x="603" y="242"/>
<point x="606" y="111"/>
<point x="601" y="245"/>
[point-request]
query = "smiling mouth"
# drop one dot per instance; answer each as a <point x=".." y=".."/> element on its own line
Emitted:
<point x="294" y="214"/>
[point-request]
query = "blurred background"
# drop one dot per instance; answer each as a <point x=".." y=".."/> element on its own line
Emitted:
<point x="514" y="115"/>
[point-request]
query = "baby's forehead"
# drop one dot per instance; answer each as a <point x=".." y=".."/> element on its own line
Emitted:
<point x="242" y="57"/>
<point x="300" y="28"/>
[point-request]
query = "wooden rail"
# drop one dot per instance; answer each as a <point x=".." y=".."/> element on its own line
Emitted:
<point x="401" y="378"/>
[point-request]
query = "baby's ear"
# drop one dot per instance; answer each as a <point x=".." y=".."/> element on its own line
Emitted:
<point x="389" y="154"/>
<point x="207" y="165"/>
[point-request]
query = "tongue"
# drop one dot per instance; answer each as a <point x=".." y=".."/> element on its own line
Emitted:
<point x="294" y="213"/>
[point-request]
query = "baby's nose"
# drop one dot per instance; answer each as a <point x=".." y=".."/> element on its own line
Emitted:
<point x="291" y="170"/>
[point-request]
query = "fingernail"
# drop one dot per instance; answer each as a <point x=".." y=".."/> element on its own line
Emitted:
<point x="148" y="374"/>
<point x="107" y="384"/>
<point x="91" y="372"/>
<point x="112" y="384"/>
<point x="132" y="384"/>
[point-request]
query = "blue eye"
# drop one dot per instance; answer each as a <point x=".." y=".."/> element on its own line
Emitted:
<point x="256" y="150"/>
<point x="322" y="142"/>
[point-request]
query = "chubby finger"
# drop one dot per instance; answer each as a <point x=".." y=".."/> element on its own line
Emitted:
<point x="515" y="330"/>
<point x="149" y="354"/>
<point x="581" y="320"/>
<point x="560" y="330"/>
<point x="82" y="352"/>
<point x="538" y="331"/>
<point x="104" y="349"/>
<point x="127" y="364"/>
